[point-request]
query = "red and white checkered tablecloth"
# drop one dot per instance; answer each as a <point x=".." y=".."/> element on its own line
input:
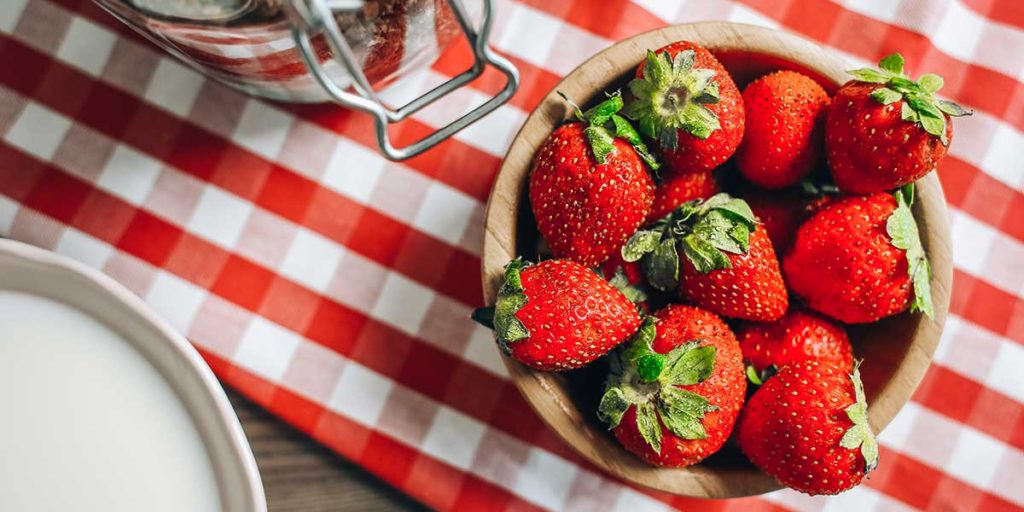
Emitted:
<point x="333" y="287"/>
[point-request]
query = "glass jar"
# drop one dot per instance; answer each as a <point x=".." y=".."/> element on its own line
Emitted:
<point x="325" y="50"/>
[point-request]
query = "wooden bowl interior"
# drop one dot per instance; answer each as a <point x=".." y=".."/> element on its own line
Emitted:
<point x="896" y="351"/>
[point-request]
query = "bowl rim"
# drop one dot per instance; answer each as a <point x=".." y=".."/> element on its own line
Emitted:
<point x="541" y="389"/>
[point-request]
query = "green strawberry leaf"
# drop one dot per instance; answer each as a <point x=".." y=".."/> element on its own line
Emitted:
<point x="683" y="62"/>
<point x="625" y="131"/>
<point x="603" y="112"/>
<point x="869" y="450"/>
<point x="682" y="411"/>
<point x="885" y="95"/>
<point x="620" y="281"/>
<point x="860" y="434"/>
<point x="662" y="266"/>
<point x="657" y="69"/>
<point x="953" y="109"/>
<point x="930" y="82"/>
<point x="648" y="363"/>
<point x="892" y="63"/>
<point x="869" y="75"/>
<point x="902" y="229"/>
<point x="605" y="124"/>
<point x="507" y="327"/>
<point x="647" y="424"/>
<point x="905" y="85"/>
<point x="689" y="364"/>
<point x="672" y="96"/>
<point x="601" y="141"/>
<point x="635" y="380"/>
<point x="919" y="105"/>
<point x="704" y="256"/>
<point x="753" y="376"/>
<point x="642" y="242"/>
<point x="935" y="126"/>
<point x="612" y="406"/>
<point x="908" y="113"/>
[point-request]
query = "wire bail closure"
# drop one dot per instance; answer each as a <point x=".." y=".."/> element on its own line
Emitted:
<point x="316" y="16"/>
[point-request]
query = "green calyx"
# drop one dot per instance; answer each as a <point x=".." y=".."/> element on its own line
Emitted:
<point x="902" y="229"/>
<point x="634" y="293"/>
<point x="673" y="95"/>
<point x="758" y="378"/>
<point x="604" y="125"/>
<point x="647" y="380"/>
<point x="502" y="316"/>
<point x="919" y="103"/>
<point x="860" y="434"/>
<point x="706" y="231"/>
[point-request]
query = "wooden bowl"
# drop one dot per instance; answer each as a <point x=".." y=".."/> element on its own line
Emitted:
<point x="896" y="351"/>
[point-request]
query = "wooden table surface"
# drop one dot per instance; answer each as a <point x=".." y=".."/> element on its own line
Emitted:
<point x="300" y="475"/>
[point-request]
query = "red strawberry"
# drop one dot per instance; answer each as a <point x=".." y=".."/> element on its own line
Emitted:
<point x="684" y="99"/>
<point x="884" y="130"/>
<point x="807" y="427"/>
<point x="860" y="259"/>
<point x="558" y="315"/>
<point x="679" y="188"/>
<point x="589" y="189"/>
<point x="781" y="214"/>
<point x="730" y="267"/>
<point x="783" y="138"/>
<point x="675" y="391"/>
<point x="798" y="336"/>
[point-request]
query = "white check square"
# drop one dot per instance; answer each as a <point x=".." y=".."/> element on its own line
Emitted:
<point x="86" y="46"/>
<point x="176" y="300"/>
<point x="38" y="130"/>
<point x="312" y="260"/>
<point x="262" y="129"/>
<point x="353" y="171"/>
<point x="8" y="210"/>
<point x="10" y="13"/>
<point x="975" y="458"/>
<point x="403" y="303"/>
<point x="445" y="213"/>
<point x="453" y="437"/>
<point x="129" y="174"/>
<point x="220" y="217"/>
<point x="1006" y="375"/>
<point x="360" y="394"/>
<point x="545" y="479"/>
<point x="266" y="349"/>
<point x="173" y="87"/>
<point x="84" y="248"/>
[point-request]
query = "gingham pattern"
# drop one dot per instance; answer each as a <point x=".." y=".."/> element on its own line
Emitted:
<point x="333" y="287"/>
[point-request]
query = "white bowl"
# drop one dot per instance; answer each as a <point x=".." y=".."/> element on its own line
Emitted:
<point x="33" y="280"/>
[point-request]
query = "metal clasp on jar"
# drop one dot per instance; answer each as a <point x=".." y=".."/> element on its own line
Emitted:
<point x="312" y="17"/>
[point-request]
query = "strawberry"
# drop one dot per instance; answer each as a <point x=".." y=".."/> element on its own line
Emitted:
<point x="558" y="315"/>
<point x="807" y="426"/>
<point x="730" y="267"/>
<point x="676" y="389"/>
<point x="884" y="130"/>
<point x="781" y="214"/>
<point x="798" y="336"/>
<point x="589" y="188"/>
<point x="685" y="100"/>
<point x="860" y="259"/>
<point x="783" y="134"/>
<point x="679" y="188"/>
